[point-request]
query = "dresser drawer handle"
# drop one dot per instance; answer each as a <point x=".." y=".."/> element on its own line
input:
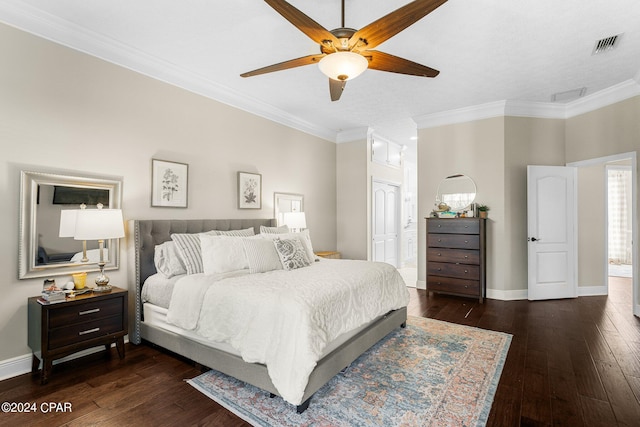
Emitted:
<point x="89" y="331"/>
<point x="439" y="254"/>
<point x="466" y="286"/>
<point x="439" y="240"/>
<point x="466" y="271"/>
<point x="466" y="241"/>
<point x="439" y="225"/>
<point x="94" y="310"/>
<point x="439" y="269"/>
<point x="466" y="256"/>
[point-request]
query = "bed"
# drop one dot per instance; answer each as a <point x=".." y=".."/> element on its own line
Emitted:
<point x="150" y="320"/>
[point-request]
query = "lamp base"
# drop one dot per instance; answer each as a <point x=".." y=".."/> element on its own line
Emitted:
<point x="103" y="288"/>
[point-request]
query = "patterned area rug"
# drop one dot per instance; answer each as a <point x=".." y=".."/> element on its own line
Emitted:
<point x="431" y="373"/>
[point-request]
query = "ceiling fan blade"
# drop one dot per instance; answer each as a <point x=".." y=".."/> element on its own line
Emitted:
<point x="391" y="24"/>
<point x="292" y="63"/>
<point x="311" y="28"/>
<point x="385" y="62"/>
<point x="335" y="88"/>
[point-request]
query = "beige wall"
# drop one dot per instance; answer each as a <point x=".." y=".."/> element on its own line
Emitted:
<point x="61" y="110"/>
<point x="352" y="202"/>
<point x="609" y="131"/>
<point x="528" y="141"/>
<point x="476" y="149"/>
<point x="592" y="242"/>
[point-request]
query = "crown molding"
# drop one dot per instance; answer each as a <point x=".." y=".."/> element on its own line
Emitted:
<point x="543" y="110"/>
<point x="350" y="135"/>
<point x="461" y="115"/>
<point x="34" y="21"/>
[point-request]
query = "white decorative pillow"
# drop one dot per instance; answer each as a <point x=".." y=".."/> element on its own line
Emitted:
<point x="304" y="238"/>
<point x="222" y="254"/>
<point x="238" y="233"/>
<point x="261" y="255"/>
<point x="292" y="254"/>
<point x="274" y="230"/>
<point x="188" y="245"/>
<point x="167" y="260"/>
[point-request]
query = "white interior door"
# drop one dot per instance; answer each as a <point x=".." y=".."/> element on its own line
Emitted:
<point x="386" y="208"/>
<point x="552" y="221"/>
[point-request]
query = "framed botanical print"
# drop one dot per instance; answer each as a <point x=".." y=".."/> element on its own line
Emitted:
<point x="249" y="190"/>
<point x="169" y="184"/>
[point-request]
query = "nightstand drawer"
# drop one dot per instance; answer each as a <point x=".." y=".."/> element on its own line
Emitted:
<point x="456" y="241"/>
<point x="452" y="285"/>
<point x="91" y="310"/>
<point x="461" y="271"/>
<point x="84" y="331"/>
<point x="459" y="256"/>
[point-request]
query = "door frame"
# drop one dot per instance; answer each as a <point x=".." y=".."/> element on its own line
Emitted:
<point x="372" y="209"/>
<point x="634" y="220"/>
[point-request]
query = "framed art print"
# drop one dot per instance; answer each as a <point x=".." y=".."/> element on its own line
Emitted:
<point x="249" y="190"/>
<point x="169" y="184"/>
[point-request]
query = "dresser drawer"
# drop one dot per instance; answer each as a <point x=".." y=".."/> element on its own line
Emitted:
<point x="456" y="241"/>
<point x="457" y="226"/>
<point x="84" y="331"/>
<point x="458" y="256"/>
<point x="88" y="311"/>
<point x="462" y="271"/>
<point x="454" y="286"/>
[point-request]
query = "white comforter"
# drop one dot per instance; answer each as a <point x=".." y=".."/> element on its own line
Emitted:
<point x="284" y="319"/>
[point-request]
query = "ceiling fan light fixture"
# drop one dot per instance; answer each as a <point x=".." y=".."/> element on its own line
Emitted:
<point x="343" y="65"/>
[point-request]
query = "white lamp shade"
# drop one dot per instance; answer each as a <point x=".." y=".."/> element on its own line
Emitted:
<point x="295" y="220"/>
<point x="99" y="224"/>
<point x="343" y="65"/>
<point x="68" y="223"/>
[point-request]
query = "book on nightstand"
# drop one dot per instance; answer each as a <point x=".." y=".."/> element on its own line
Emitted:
<point x="51" y="297"/>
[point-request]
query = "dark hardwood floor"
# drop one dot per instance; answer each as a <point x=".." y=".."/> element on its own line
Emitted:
<point x="571" y="363"/>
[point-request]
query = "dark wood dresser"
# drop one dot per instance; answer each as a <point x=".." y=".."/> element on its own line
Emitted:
<point x="456" y="256"/>
<point x="89" y="320"/>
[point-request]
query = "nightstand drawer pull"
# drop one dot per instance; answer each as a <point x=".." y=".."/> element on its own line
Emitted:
<point x="95" y="310"/>
<point x="89" y="331"/>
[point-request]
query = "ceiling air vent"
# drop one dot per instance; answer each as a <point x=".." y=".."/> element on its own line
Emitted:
<point x="606" y="44"/>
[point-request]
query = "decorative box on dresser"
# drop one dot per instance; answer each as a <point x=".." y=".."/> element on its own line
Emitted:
<point x="456" y="256"/>
<point x="88" y="320"/>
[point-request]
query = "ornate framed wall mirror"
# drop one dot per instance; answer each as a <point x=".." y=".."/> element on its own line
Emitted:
<point x="456" y="191"/>
<point x="286" y="202"/>
<point x="43" y="196"/>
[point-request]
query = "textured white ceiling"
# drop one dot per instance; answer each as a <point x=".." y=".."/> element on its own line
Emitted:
<point x="486" y="51"/>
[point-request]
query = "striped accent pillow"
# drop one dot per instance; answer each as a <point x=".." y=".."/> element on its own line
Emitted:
<point x="188" y="245"/>
<point x="274" y="230"/>
<point x="262" y="255"/>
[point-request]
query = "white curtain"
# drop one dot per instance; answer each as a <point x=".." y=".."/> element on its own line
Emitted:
<point x="619" y="182"/>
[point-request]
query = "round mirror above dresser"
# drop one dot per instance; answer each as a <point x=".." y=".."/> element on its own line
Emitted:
<point x="457" y="192"/>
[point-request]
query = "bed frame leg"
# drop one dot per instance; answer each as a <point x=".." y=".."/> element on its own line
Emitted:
<point x="272" y="395"/>
<point x="403" y="325"/>
<point x="303" y="406"/>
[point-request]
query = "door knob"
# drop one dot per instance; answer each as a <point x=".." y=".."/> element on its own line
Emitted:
<point x="533" y="239"/>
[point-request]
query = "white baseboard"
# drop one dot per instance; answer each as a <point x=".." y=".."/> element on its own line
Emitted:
<point x="19" y="365"/>
<point x="590" y="291"/>
<point x="421" y="284"/>
<point x="511" y="295"/>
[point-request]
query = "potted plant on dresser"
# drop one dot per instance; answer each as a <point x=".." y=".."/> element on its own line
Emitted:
<point x="483" y="211"/>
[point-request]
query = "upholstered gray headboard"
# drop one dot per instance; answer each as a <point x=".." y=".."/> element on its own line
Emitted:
<point x="145" y="234"/>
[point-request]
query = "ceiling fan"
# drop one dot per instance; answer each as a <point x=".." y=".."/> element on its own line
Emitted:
<point x="345" y="53"/>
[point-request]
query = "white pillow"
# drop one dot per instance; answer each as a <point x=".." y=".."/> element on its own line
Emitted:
<point x="274" y="230"/>
<point x="261" y="255"/>
<point x="239" y="233"/>
<point x="292" y="254"/>
<point x="304" y="238"/>
<point x="188" y="245"/>
<point x="167" y="260"/>
<point x="222" y="254"/>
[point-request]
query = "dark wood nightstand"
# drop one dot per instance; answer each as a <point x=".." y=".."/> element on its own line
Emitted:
<point x="88" y="320"/>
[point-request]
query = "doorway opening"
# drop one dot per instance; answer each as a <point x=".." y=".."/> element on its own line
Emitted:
<point x="620" y="226"/>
